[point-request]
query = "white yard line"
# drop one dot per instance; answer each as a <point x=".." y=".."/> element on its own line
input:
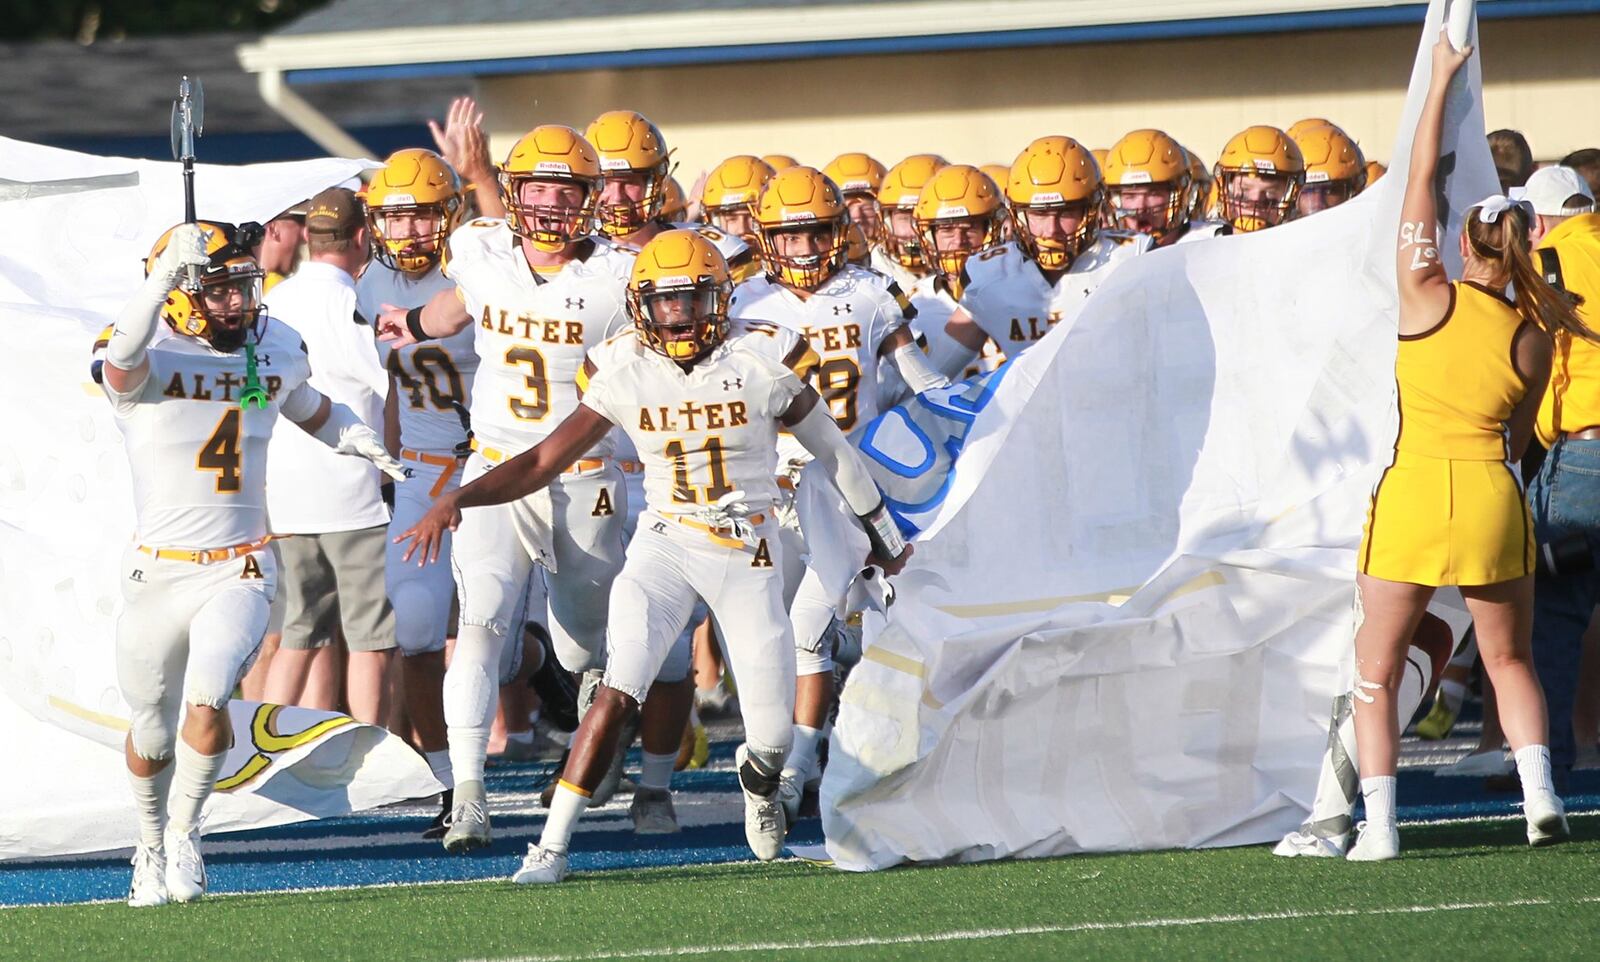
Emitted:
<point x="977" y="935"/>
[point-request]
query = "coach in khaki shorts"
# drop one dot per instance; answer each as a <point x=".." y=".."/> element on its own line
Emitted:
<point x="329" y="509"/>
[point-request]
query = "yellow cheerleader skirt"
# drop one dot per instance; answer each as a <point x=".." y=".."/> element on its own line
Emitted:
<point x="1435" y="521"/>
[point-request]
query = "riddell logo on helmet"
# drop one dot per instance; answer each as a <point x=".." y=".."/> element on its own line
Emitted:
<point x="955" y="210"/>
<point x="1048" y="197"/>
<point x="613" y="163"/>
<point x="1316" y="176"/>
<point x="1136" y="177"/>
<point x="676" y="280"/>
<point x="554" y="166"/>
<point x="395" y="200"/>
<point x="1264" y="166"/>
<point x="856" y="185"/>
<point x="797" y="215"/>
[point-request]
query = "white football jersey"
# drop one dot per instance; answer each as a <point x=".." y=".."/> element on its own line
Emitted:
<point x="703" y="433"/>
<point x="845" y="321"/>
<point x="934" y="306"/>
<point x="1200" y="230"/>
<point x="532" y="330"/>
<point x="1010" y="299"/>
<point x="434" y="379"/>
<point x="199" y="461"/>
<point x="890" y="268"/>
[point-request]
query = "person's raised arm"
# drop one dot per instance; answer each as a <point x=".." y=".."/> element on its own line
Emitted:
<point x="462" y="142"/>
<point x="1419" y="269"/>
<point x="444" y="314"/>
<point x="127" y="355"/>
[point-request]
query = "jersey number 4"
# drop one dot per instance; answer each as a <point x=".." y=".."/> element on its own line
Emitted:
<point x="220" y="453"/>
<point x="683" y="492"/>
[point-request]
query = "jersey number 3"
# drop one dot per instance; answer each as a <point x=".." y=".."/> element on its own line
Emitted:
<point x="220" y="453"/>
<point x="533" y="408"/>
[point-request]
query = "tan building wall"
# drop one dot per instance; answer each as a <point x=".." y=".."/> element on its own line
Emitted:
<point x="1542" y="76"/>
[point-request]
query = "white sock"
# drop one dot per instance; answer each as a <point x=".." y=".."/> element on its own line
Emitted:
<point x="150" y="798"/>
<point x="194" y="776"/>
<point x="1378" y="793"/>
<point x="803" y="753"/>
<point x="565" y="807"/>
<point x="468" y="746"/>
<point x="1533" y="765"/>
<point x="439" y="763"/>
<point x="657" y="770"/>
<point x="1453" y="693"/>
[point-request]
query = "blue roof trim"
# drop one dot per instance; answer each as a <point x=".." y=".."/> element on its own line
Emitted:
<point x="1103" y="33"/>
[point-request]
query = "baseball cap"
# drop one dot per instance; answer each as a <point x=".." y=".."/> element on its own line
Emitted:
<point x="1550" y="187"/>
<point x="335" y="212"/>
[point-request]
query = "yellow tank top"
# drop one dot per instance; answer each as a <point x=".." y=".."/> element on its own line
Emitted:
<point x="1572" y="401"/>
<point x="1456" y="382"/>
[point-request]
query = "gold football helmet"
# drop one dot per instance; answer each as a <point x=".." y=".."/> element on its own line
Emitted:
<point x="674" y="206"/>
<point x="800" y="200"/>
<point x="779" y="161"/>
<point x="1301" y="126"/>
<point x="964" y="205"/>
<point x="1148" y="180"/>
<point x="858" y="250"/>
<point x="1375" y="171"/>
<point x="678" y="295"/>
<point x="897" y="201"/>
<point x="1335" y="169"/>
<point x="629" y="144"/>
<point x="1056" y="183"/>
<point x="413" y="203"/>
<point x="858" y="176"/>
<point x="1259" y="176"/>
<point x="550" y="153"/>
<point x="729" y="195"/>
<point x="225" y="307"/>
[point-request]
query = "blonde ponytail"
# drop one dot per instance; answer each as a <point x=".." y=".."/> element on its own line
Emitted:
<point x="1504" y="243"/>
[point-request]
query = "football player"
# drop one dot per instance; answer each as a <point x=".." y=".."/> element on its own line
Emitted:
<point x="1335" y="169"/>
<point x="730" y="190"/>
<point x="779" y="161"/>
<point x="539" y="290"/>
<point x="704" y="399"/>
<point x="1151" y="189"/>
<point x="854" y="319"/>
<point x="1000" y="173"/>
<point x="413" y="203"/>
<point x="196" y="409"/>
<point x="1259" y="177"/>
<point x="1016" y="292"/>
<point x="899" y="254"/>
<point x="858" y="177"/>
<point x="959" y="215"/>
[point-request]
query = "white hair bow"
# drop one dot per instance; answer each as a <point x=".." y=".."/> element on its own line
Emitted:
<point x="1491" y="207"/>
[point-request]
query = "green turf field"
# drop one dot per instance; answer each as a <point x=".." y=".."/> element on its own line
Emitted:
<point x="1461" y="891"/>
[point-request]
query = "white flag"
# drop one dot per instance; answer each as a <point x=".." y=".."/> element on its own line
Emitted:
<point x="1129" y="609"/>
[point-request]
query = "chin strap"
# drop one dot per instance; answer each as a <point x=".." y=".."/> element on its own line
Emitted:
<point x="253" y="395"/>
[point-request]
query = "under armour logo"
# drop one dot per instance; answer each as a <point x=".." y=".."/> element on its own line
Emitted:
<point x="737" y="382"/>
<point x="574" y="303"/>
<point x="841" y="309"/>
<point x="263" y="359"/>
<point x="660" y="527"/>
<point x="138" y="575"/>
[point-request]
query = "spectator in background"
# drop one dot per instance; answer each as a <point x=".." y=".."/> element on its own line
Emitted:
<point x="1565" y="497"/>
<point x="1513" y="159"/>
<point x="279" y="250"/>
<point x="331" y="507"/>
<point x="1587" y="163"/>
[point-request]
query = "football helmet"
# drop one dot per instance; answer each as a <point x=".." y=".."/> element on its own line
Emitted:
<point x="1301" y="126"/>
<point x="674" y="206"/>
<point x="413" y="203"/>
<point x="1149" y="184"/>
<point x="730" y="193"/>
<point x="678" y="295"/>
<point x="858" y="250"/>
<point x="1000" y="173"/>
<point x="225" y="307"/>
<point x="1259" y="176"/>
<point x="1335" y="169"/>
<point x="1202" y="188"/>
<point x="958" y="194"/>
<point x="628" y="143"/>
<point x="858" y="176"/>
<point x="558" y="154"/>
<point x="779" y="161"/>
<point x="802" y="199"/>
<point x="1375" y="170"/>
<point x="897" y="201"/>
<point x="1055" y="176"/>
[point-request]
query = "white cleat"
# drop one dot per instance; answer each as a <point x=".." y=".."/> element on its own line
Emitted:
<point x="1547" y="819"/>
<point x="652" y="812"/>
<point x="791" y="792"/>
<point x="469" y="819"/>
<point x="186" y="870"/>
<point x="1307" y="845"/>
<point x="541" y="867"/>
<point x="1375" y="844"/>
<point x="149" y="878"/>
<point x="764" y="823"/>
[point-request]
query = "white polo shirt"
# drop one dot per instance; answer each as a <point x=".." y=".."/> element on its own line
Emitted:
<point x="310" y="489"/>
